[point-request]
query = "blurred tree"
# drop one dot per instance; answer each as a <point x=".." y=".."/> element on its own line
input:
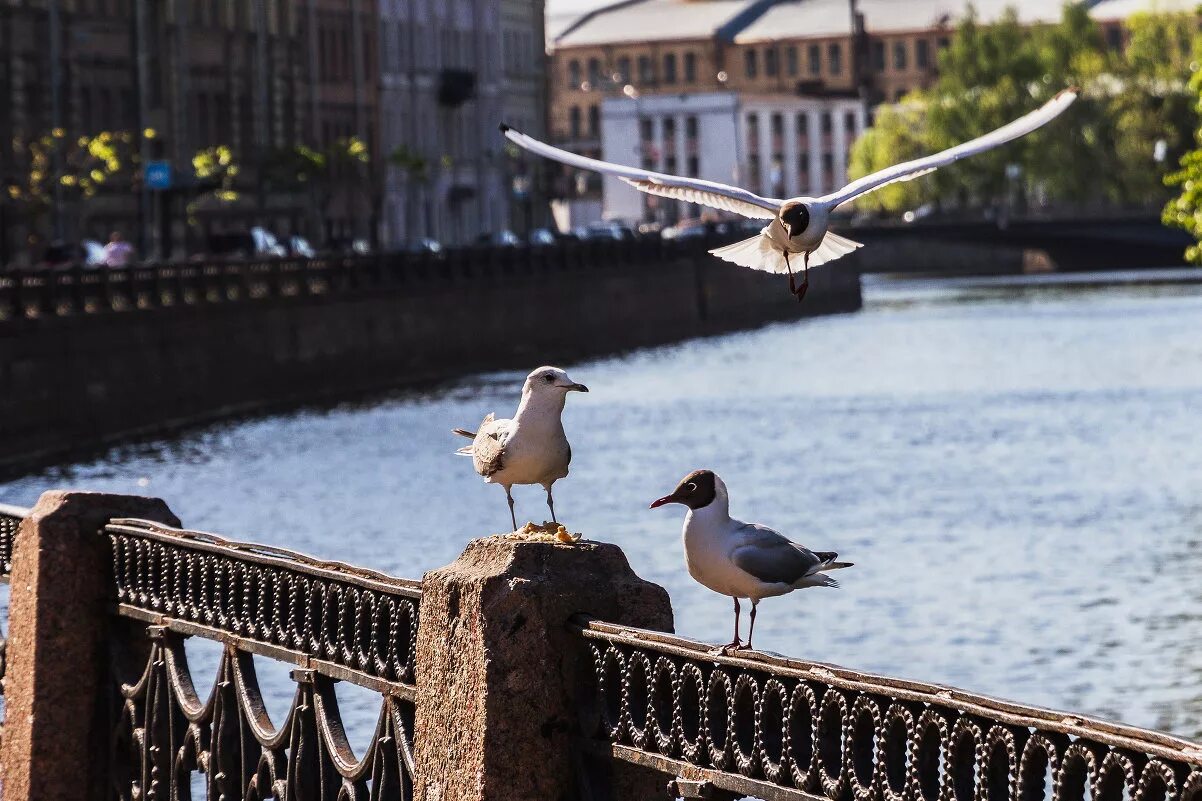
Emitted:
<point x="333" y="175"/>
<point x="216" y="173"/>
<point x="1185" y="210"/>
<point x="898" y="134"/>
<point x="79" y="168"/>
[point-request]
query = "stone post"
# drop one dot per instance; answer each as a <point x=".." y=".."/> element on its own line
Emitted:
<point x="498" y="668"/>
<point x="56" y="737"/>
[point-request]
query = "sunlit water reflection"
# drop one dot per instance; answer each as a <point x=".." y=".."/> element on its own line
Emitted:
<point x="1017" y="474"/>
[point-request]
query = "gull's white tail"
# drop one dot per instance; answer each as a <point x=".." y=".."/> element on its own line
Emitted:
<point x="759" y="253"/>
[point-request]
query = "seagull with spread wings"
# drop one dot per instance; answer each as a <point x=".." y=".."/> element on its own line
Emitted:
<point x="798" y="225"/>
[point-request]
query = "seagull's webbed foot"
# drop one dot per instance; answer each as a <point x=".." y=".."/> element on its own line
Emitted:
<point x="800" y="292"/>
<point x="724" y="650"/>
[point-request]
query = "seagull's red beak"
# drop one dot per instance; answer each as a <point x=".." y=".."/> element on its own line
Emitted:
<point x="661" y="501"/>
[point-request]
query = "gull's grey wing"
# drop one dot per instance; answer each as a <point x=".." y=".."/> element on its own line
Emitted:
<point x="488" y="448"/>
<point x="693" y="190"/>
<point x="910" y="170"/>
<point x="773" y="558"/>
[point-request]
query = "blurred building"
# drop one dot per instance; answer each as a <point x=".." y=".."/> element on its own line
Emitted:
<point x="451" y="70"/>
<point x="827" y="51"/>
<point x="259" y="77"/>
<point x="776" y="145"/>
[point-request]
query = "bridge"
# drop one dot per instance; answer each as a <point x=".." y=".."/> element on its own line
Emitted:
<point x="1072" y="240"/>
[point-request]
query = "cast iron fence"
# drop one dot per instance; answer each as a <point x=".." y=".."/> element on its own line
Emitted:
<point x="783" y="729"/>
<point x="331" y="621"/>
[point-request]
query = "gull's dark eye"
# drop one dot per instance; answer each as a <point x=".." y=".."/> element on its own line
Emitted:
<point x="691" y="487"/>
<point x="548" y="378"/>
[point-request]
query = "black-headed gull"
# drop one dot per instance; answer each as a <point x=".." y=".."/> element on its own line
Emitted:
<point x="530" y="448"/>
<point x="799" y="224"/>
<point x="742" y="560"/>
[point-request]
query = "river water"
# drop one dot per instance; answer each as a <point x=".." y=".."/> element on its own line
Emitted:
<point x="1015" y="470"/>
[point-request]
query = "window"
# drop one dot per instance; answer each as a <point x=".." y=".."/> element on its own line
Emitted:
<point x="803" y="125"/>
<point x="1114" y="37"/>
<point x="574" y="122"/>
<point x="828" y="162"/>
<point x="670" y="68"/>
<point x="834" y="58"/>
<point x="750" y="62"/>
<point x="778" y="125"/>
<point x="646" y="70"/>
<point x="942" y="43"/>
<point x="753" y="132"/>
<point x="849" y="122"/>
<point x="827" y="123"/>
<point x="645" y="131"/>
<point x="899" y="55"/>
<point x="803" y="167"/>
<point x="690" y="67"/>
<point x="669" y="126"/>
<point x="690" y="127"/>
<point x="694" y="167"/>
<point x="624" y="69"/>
<point x="791" y="61"/>
<point x="814" y="56"/>
<point x="878" y="56"/>
<point x="770" y="62"/>
<point x="594" y="73"/>
<point x="922" y="54"/>
<point x="573" y="74"/>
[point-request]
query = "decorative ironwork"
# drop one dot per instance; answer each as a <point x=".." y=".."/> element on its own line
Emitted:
<point x="780" y="728"/>
<point x="330" y="620"/>
<point x="10" y="520"/>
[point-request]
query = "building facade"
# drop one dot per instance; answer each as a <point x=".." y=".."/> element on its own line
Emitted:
<point x="775" y="145"/>
<point x="178" y="77"/>
<point x="451" y="70"/>
<point x="826" y="51"/>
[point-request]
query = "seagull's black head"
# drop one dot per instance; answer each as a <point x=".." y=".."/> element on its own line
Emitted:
<point x="796" y="219"/>
<point x="696" y="490"/>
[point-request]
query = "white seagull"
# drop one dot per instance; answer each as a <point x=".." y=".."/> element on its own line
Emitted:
<point x="532" y="448"/>
<point x="798" y="225"/>
<point x="742" y="560"/>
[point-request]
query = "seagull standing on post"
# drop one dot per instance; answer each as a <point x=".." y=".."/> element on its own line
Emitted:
<point x="531" y="448"/>
<point x="798" y="225"/>
<point x="742" y="560"/>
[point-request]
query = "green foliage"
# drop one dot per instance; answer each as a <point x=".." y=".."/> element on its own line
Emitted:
<point x="79" y="169"/>
<point x="896" y="135"/>
<point x="1185" y="210"/>
<point x="1101" y="149"/>
<point x="217" y="169"/>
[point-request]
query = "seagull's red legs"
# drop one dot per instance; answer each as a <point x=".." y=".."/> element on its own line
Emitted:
<point x="736" y="643"/>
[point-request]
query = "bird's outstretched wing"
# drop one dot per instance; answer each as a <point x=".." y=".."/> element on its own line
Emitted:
<point x="691" y="190"/>
<point x="910" y="170"/>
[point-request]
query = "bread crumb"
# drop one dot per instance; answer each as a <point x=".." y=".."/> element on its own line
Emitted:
<point x="547" y="532"/>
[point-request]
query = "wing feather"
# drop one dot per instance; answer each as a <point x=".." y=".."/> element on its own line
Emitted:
<point x="692" y="190"/>
<point x="909" y="170"/>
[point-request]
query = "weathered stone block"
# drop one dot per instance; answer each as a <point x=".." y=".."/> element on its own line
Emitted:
<point x="498" y="667"/>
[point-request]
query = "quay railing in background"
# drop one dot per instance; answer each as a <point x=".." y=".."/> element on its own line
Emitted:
<point x="783" y="729"/>
<point x="77" y="290"/>
<point x="331" y="621"/>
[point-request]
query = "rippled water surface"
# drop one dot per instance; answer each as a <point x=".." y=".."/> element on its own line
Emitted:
<point x="1017" y="474"/>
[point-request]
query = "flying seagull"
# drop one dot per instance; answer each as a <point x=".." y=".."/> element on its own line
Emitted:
<point x="531" y="448"/>
<point x="798" y="225"/>
<point x="742" y="560"/>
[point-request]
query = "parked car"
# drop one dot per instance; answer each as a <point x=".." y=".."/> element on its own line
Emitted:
<point x="541" y="238"/>
<point x="300" y="247"/>
<point x="503" y="239"/>
<point x="605" y="229"/>
<point x="266" y="244"/>
<point x="422" y="245"/>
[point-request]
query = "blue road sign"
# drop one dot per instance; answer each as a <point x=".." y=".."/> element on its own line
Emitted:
<point x="158" y="174"/>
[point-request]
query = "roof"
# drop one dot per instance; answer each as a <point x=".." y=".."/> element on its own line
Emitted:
<point x="651" y="20"/>
<point x="765" y="20"/>
<point x="816" y="18"/>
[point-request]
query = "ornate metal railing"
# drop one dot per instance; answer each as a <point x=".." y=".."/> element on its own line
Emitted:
<point x="778" y="728"/>
<point x="331" y="621"/>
